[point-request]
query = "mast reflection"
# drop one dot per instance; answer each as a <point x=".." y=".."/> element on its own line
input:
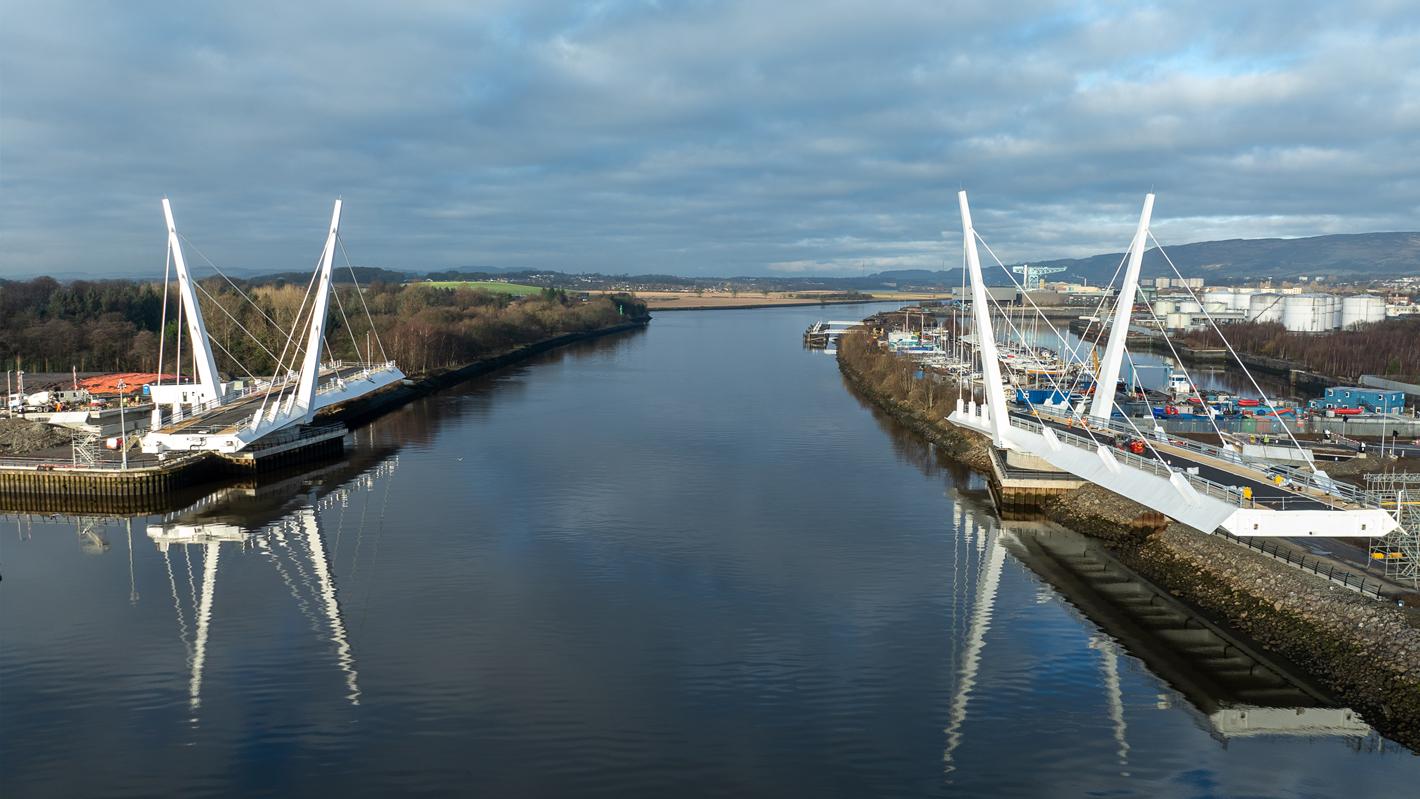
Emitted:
<point x="292" y="541"/>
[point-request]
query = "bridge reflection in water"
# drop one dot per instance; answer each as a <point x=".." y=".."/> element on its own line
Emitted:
<point x="292" y="541"/>
<point x="1233" y="689"/>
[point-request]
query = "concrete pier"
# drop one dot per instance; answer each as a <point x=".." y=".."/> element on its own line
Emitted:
<point x="1023" y="482"/>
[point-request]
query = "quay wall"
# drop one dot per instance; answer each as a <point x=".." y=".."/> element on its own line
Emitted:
<point x="1366" y="652"/>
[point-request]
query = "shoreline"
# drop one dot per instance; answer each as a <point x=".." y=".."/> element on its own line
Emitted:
<point x="60" y="488"/>
<point x="653" y="303"/>
<point x="1367" y="653"/>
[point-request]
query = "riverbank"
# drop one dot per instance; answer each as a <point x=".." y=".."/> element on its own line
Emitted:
<point x="55" y="484"/>
<point x="690" y="301"/>
<point x="1365" y="651"/>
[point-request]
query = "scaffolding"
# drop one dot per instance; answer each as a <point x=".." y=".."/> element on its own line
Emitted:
<point x="86" y="449"/>
<point x="1398" y="554"/>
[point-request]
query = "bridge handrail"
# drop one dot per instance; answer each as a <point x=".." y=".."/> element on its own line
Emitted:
<point x="1301" y="477"/>
<point x="187" y="412"/>
<point x="366" y="369"/>
<point x="1229" y="494"/>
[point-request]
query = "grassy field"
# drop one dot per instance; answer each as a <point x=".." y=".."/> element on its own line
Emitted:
<point x="492" y="286"/>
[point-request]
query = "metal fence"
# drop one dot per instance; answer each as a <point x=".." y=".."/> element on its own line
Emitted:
<point x="1341" y="576"/>
<point x="52" y="465"/>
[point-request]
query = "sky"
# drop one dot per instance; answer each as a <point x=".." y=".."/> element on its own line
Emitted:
<point x="694" y="138"/>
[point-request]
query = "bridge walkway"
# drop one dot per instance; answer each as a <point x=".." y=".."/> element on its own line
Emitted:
<point x="226" y="418"/>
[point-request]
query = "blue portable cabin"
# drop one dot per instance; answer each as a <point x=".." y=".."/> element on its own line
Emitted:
<point x="1042" y="396"/>
<point x="1360" y="398"/>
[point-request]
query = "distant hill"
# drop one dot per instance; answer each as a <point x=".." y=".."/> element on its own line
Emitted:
<point x="364" y="274"/>
<point x="1348" y="256"/>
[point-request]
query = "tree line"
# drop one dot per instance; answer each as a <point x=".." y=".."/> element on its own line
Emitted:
<point x="1390" y="347"/>
<point x="897" y="376"/>
<point x="115" y="325"/>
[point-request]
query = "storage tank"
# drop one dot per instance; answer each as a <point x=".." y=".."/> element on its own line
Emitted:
<point x="1227" y="300"/>
<point x="1163" y="308"/>
<point x="1361" y="309"/>
<point x="1179" y="321"/>
<point x="1189" y="307"/>
<point x="1217" y="298"/>
<point x="1310" y="313"/>
<point x="1264" y="308"/>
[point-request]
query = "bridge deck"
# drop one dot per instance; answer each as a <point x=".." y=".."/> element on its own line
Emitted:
<point x="227" y="418"/>
<point x="1265" y="492"/>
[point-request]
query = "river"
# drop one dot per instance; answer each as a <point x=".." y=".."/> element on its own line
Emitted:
<point x="680" y="562"/>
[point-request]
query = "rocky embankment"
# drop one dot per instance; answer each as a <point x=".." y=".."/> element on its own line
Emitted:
<point x="1367" y="652"/>
<point x="21" y="436"/>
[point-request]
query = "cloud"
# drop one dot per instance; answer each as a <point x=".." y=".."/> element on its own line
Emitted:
<point x="693" y="137"/>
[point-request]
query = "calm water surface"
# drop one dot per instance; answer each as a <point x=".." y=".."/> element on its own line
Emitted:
<point x="682" y="562"/>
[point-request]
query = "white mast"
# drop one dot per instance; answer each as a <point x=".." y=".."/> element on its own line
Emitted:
<point x="985" y="337"/>
<point x="208" y="388"/>
<point x="305" y="396"/>
<point x="1102" y="407"/>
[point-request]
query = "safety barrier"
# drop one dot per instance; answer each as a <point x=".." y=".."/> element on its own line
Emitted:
<point x="1341" y="576"/>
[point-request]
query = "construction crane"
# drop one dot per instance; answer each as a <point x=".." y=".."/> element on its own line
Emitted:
<point x="1029" y="272"/>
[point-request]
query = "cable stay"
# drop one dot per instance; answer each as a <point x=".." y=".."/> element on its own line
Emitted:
<point x="211" y="415"/>
<point x="1204" y="486"/>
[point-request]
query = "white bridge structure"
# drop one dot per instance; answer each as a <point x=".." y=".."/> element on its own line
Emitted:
<point x="1205" y="487"/>
<point x="209" y="415"/>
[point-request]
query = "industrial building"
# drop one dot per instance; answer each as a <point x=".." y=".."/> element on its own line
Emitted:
<point x="1359" y="398"/>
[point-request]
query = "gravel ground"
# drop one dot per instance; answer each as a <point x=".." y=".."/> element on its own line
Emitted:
<point x="22" y="436"/>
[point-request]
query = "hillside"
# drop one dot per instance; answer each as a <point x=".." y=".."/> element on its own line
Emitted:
<point x="1351" y="256"/>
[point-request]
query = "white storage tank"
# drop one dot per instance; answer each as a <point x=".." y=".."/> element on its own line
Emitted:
<point x="1163" y="308"/>
<point x="1310" y="313"/>
<point x="1179" y="321"/>
<point x="1217" y="298"/>
<point x="1226" y="300"/>
<point x="1189" y="307"/>
<point x="1264" y="308"/>
<point x="1361" y="309"/>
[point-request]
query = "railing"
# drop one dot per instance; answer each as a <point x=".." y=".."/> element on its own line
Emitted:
<point x="187" y="412"/>
<point x="1341" y="576"/>
<point x="317" y="431"/>
<point x="49" y="464"/>
<point x="1229" y="494"/>
<point x="366" y="369"/>
<point x="1296" y="475"/>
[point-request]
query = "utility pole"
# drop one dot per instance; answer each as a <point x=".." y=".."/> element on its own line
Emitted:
<point x="122" y="426"/>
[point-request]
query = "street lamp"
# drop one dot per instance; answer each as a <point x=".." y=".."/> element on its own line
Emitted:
<point x="122" y="426"/>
